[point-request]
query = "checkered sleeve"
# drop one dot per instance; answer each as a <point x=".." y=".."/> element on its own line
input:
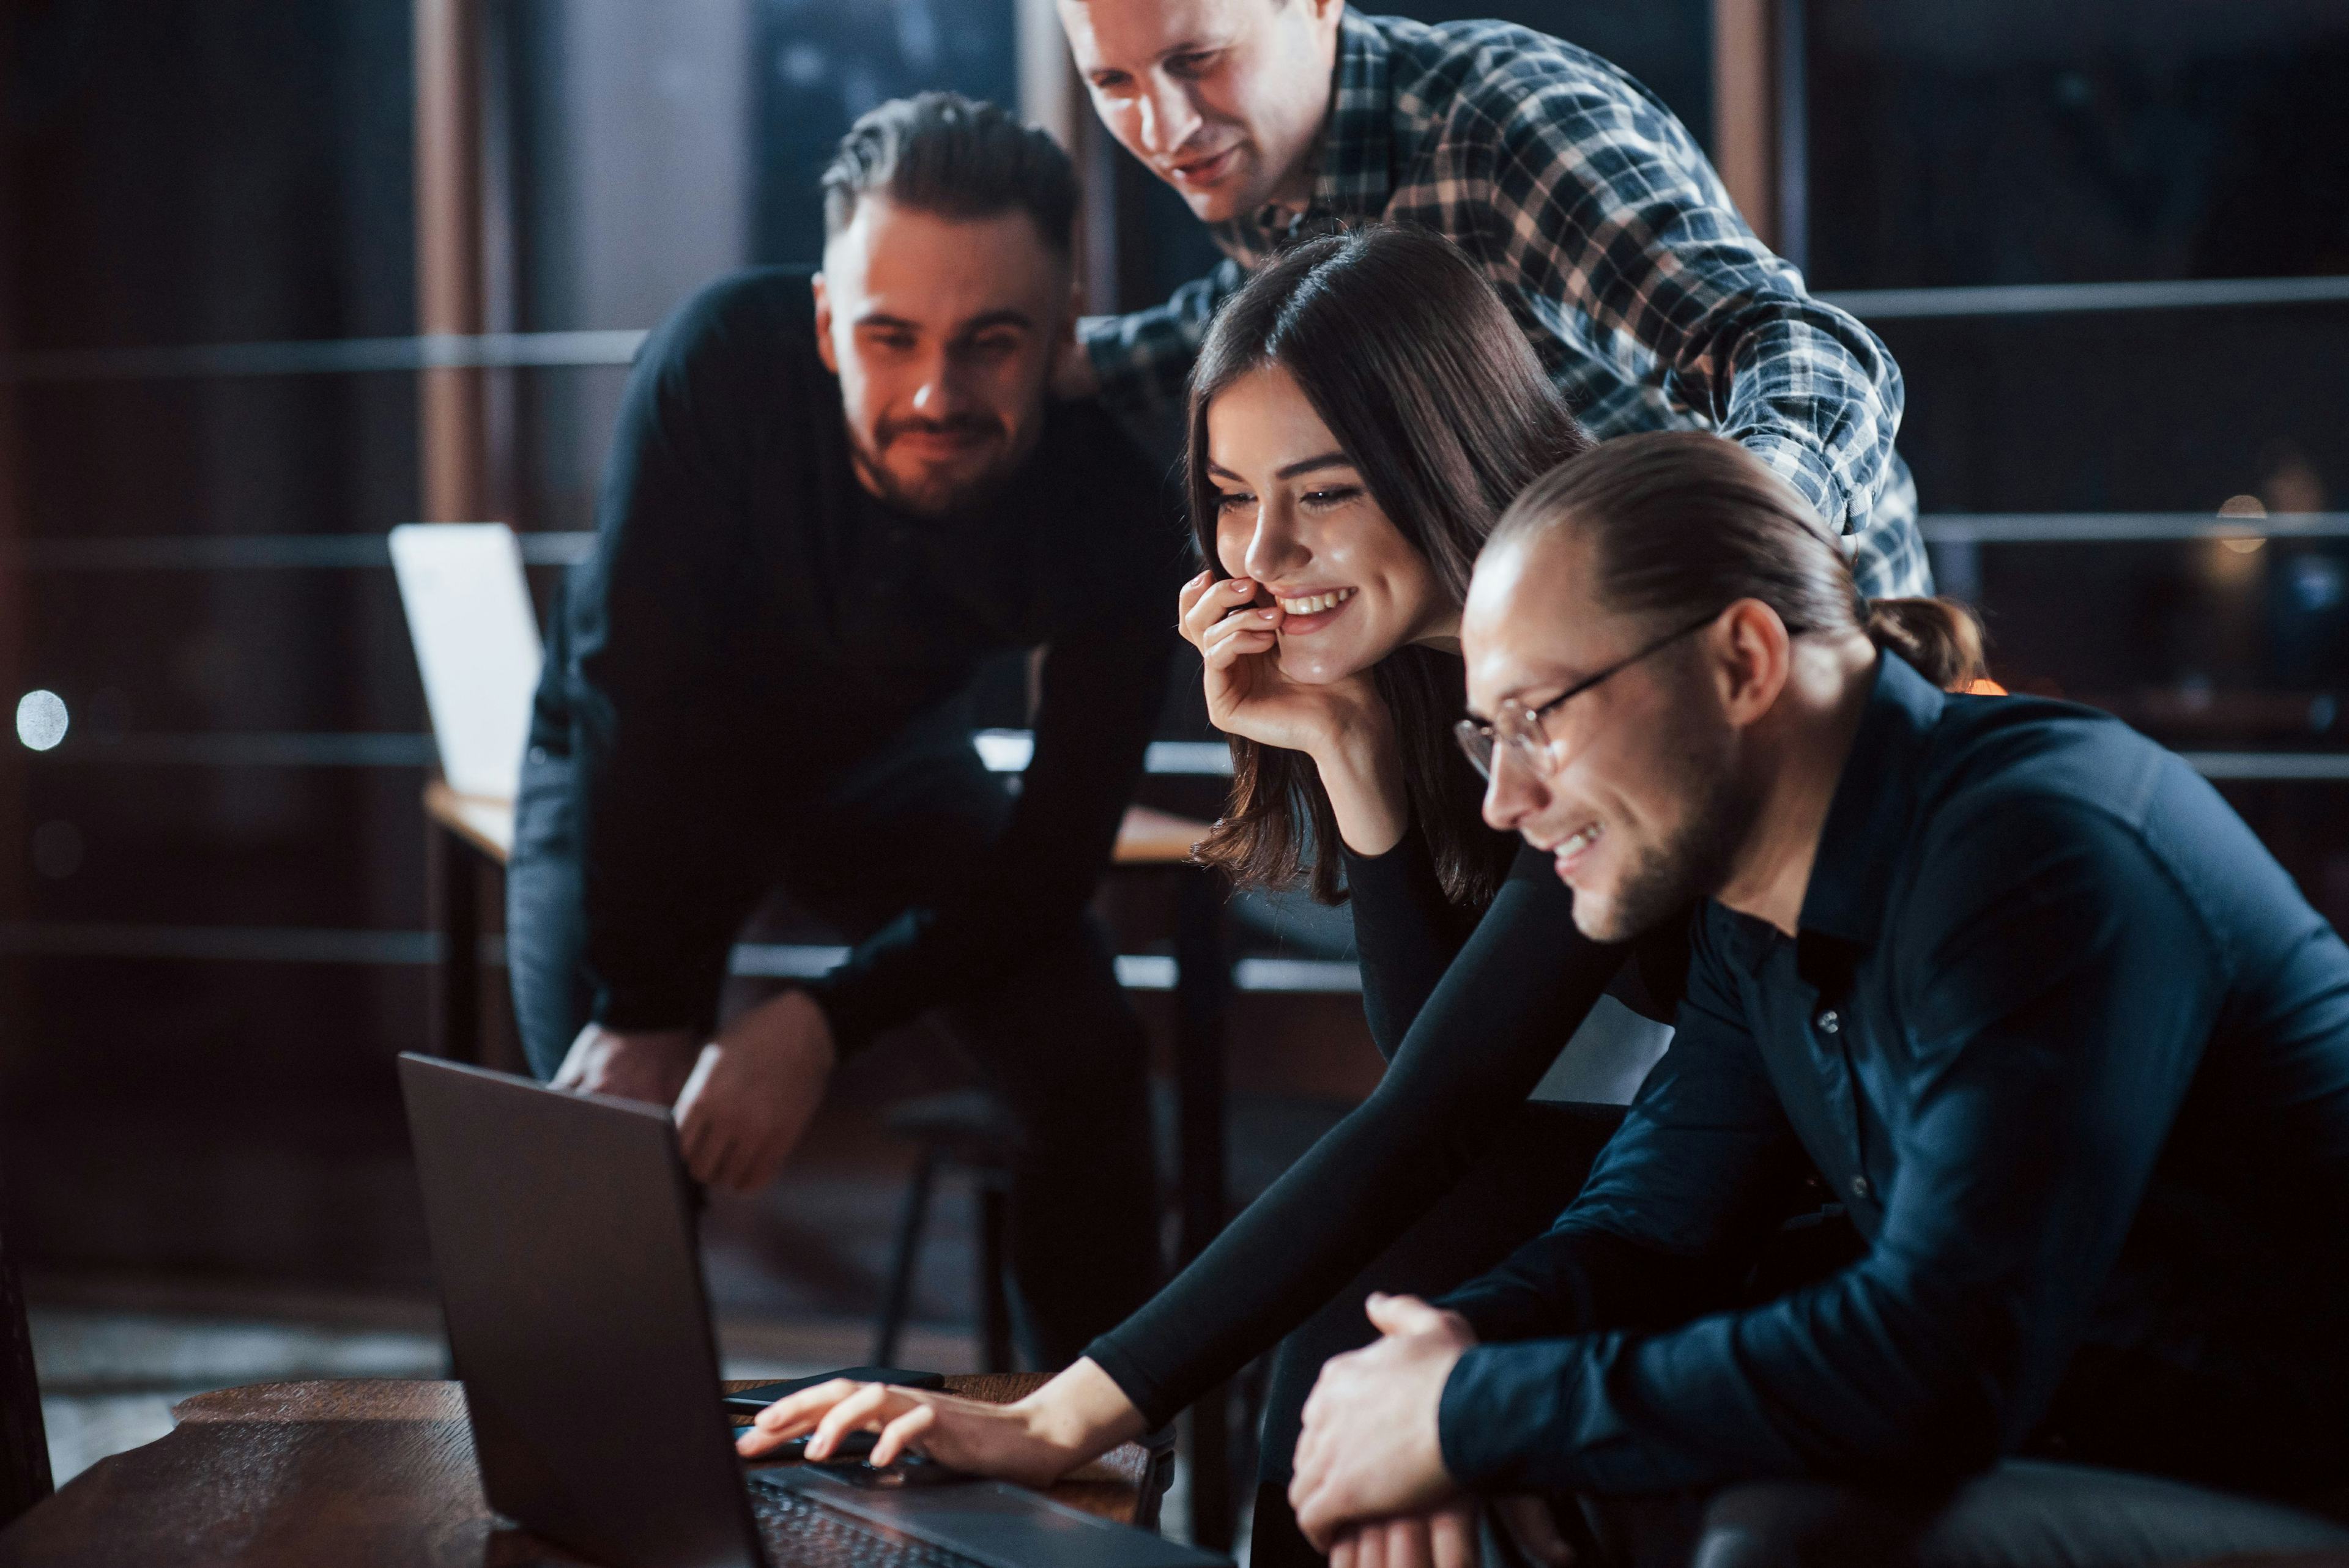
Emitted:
<point x="1144" y="358"/>
<point x="1597" y="198"/>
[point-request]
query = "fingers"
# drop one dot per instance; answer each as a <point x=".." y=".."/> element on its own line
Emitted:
<point x="793" y="1416"/>
<point x="700" y="1136"/>
<point x="900" y="1433"/>
<point x="1345" y="1552"/>
<point x="1227" y="649"/>
<point x="1403" y="1315"/>
<point x="1316" y="1515"/>
<point x="1535" y="1529"/>
<point x="1210" y="604"/>
<point x="1452" y="1537"/>
<point x="1407" y="1542"/>
<point x="868" y="1404"/>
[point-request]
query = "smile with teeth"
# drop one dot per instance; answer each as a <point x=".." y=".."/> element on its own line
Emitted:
<point x="1316" y="602"/>
<point x="1575" y="843"/>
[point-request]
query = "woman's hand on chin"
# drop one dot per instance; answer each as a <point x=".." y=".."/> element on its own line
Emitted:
<point x="1076" y="1417"/>
<point x="1247" y="695"/>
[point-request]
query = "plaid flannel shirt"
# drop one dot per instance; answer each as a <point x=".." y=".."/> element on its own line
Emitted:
<point x="1600" y="221"/>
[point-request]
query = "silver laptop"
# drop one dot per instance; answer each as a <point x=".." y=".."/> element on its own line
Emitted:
<point x="563" y="1232"/>
<point x="477" y="647"/>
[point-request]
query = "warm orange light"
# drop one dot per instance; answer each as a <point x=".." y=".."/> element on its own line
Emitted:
<point x="1985" y="688"/>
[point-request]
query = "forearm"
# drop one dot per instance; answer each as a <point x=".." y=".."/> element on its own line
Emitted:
<point x="1081" y="1413"/>
<point x="1817" y="396"/>
<point x="1141" y="359"/>
<point x="1473" y="1053"/>
<point x="1406" y="933"/>
<point x="1361" y="771"/>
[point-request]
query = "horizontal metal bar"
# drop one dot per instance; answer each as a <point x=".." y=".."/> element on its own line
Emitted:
<point x="2282" y="767"/>
<point x="2123" y="527"/>
<point x="1002" y="750"/>
<point x="332" y="357"/>
<point x="535" y="350"/>
<point x="2084" y="299"/>
<point x="1297" y="975"/>
<point x="569" y="547"/>
<point x="783" y="960"/>
<point x="1011" y="751"/>
<point x="1188" y="758"/>
<point x="252" y="749"/>
<point x="259" y="551"/>
<point x="763" y="960"/>
<point x="209" y="943"/>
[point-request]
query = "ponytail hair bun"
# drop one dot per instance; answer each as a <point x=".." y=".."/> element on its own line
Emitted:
<point x="1940" y="636"/>
<point x="1683" y="522"/>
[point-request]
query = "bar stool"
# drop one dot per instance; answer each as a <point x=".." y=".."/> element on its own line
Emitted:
<point x="970" y="1131"/>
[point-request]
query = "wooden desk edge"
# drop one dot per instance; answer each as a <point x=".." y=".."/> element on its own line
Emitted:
<point x="1111" y="1486"/>
<point x="484" y="824"/>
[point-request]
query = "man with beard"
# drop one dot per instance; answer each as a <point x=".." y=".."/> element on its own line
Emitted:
<point x="831" y="500"/>
<point x="2011" y="980"/>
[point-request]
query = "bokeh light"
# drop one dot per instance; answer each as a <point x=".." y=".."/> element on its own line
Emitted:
<point x="41" y="720"/>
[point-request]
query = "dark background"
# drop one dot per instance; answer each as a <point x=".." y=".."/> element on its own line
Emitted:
<point x="212" y="895"/>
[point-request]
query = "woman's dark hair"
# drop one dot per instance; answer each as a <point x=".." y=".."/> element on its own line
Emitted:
<point x="1682" y="522"/>
<point x="1414" y="364"/>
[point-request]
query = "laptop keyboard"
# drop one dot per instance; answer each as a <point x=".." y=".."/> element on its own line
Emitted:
<point x="802" y="1534"/>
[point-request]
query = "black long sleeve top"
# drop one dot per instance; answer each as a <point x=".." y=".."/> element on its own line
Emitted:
<point x="753" y="621"/>
<point x="2074" y="1050"/>
<point x="1470" y="1011"/>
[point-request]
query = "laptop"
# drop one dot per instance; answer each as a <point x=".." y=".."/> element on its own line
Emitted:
<point x="563" y="1231"/>
<point x="477" y="649"/>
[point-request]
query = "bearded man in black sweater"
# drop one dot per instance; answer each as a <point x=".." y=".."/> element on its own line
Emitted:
<point x="831" y="500"/>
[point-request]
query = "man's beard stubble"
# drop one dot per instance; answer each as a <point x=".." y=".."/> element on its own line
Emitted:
<point x="1693" y="862"/>
<point x="935" y="499"/>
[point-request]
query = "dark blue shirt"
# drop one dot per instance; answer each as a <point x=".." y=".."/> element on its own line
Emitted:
<point x="2074" y="1051"/>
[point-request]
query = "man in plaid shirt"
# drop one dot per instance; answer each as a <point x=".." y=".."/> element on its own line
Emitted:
<point x="1582" y="197"/>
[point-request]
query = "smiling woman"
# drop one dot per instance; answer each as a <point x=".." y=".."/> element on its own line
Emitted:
<point x="1361" y="415"/>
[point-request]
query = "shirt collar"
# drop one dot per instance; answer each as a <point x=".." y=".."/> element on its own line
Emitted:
<point x="1860" y="843"/>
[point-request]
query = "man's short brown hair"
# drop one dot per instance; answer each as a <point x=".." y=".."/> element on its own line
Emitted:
<point x="957" y="157"/>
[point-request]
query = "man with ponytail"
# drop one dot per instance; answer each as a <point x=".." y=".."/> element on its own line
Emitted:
<point x="2011" y="980"/>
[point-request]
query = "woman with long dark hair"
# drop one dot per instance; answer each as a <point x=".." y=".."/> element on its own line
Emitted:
<point x="1360" y="415"/>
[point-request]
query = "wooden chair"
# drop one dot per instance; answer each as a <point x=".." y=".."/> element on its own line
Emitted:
<point x="24" y="1477"/>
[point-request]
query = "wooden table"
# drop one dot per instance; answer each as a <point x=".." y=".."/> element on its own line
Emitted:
<point x="357" y="1473"/>
<point x="468" y="832"/>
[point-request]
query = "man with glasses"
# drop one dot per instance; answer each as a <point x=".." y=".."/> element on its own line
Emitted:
<point x="2011" y="981"/>
<point x="1577" y="192"/>
<point x="833" y="501"/>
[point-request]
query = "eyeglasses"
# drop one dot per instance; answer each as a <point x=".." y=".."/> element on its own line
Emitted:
<point x="1526" y="728"/>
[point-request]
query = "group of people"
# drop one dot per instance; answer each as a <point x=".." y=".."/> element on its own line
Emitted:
<point x="1561" y="602"/>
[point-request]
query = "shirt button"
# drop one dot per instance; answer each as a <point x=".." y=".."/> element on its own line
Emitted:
<point x="1859" y="1186"/>
<point x="1829" y="1023"/>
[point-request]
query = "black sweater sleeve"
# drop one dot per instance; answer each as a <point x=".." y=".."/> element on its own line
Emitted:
<point x="1101" y="698"/>
<point x="1518" y="988"/>
<point x="1406" y="931"/>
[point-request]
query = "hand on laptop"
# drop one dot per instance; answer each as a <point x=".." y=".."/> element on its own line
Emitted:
<point x="1370" y="1449"/>
<point x="754" y="1090"/>
<point x="649" y="1065"/>
<point x="1077" y="1416"/>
